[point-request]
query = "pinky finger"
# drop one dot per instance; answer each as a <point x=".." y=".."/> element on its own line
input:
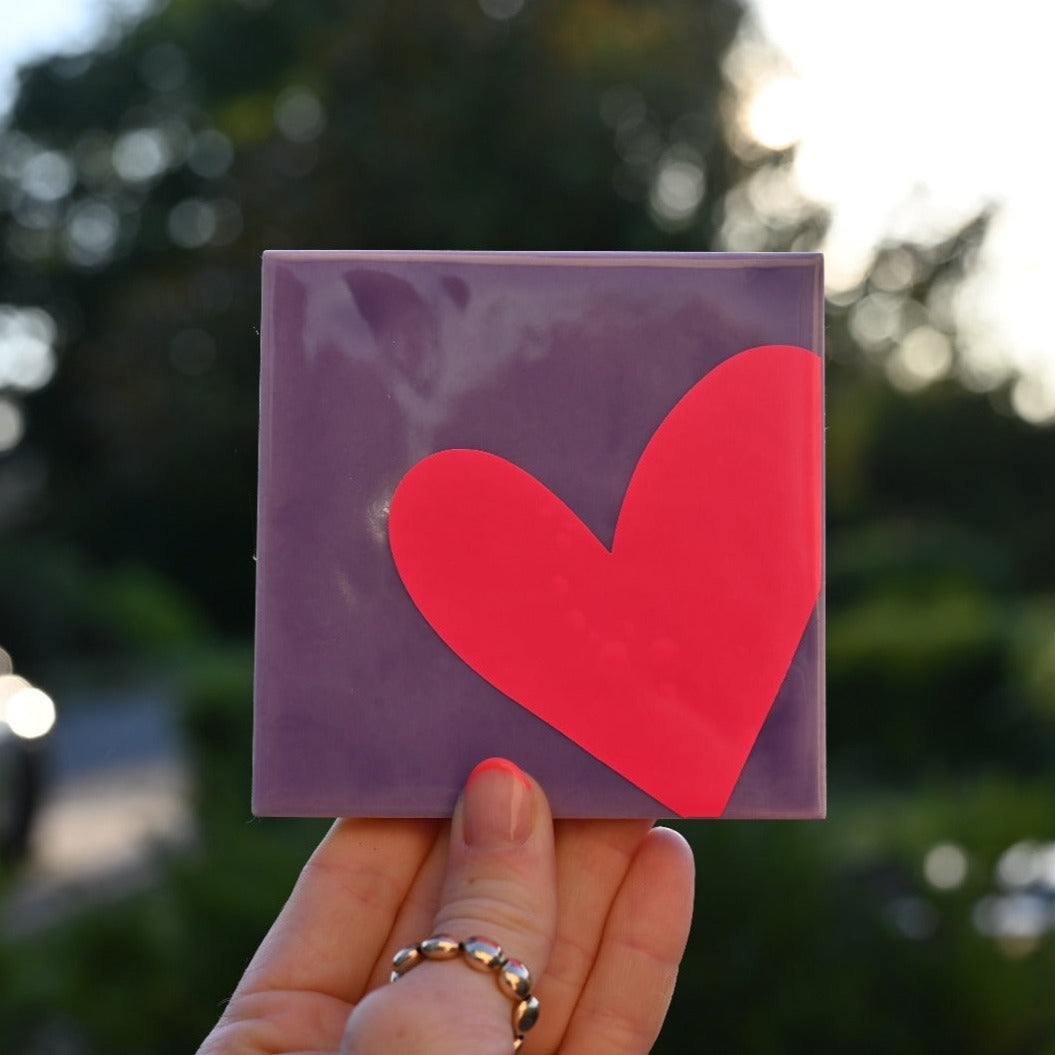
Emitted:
<point x="626" y="997"/>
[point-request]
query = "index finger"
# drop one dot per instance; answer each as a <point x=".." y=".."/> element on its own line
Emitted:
<point x="334" y="926"/>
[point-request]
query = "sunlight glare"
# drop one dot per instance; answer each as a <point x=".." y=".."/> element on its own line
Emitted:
<point x="778" y="115"/>
<point x="913" y="141"/>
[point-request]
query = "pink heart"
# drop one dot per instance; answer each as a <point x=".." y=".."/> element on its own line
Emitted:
<point x="661" y="657"/>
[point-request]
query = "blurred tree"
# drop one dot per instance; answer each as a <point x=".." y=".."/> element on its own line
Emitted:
<point x="139" y="188"/>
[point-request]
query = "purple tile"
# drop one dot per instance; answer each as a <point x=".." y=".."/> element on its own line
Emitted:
<point x="564" y="364"/>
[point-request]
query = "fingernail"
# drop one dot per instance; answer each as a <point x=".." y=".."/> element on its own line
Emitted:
<point x="498" y="807"/>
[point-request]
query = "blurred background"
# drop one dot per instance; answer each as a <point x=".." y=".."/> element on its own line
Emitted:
<point x="149" y="152"/>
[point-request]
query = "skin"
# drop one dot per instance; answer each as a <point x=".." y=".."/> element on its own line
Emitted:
<point x="599" y="910"/>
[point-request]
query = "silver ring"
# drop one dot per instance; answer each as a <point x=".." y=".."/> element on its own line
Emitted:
<point x="512" y="977"/>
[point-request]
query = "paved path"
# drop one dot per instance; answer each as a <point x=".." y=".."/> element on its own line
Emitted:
<point x="117" y="794"/>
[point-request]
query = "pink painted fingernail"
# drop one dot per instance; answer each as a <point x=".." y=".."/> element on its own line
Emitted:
<point x="498" y="806"/>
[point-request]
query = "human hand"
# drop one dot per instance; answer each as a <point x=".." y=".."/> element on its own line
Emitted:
<point x="599" y="911"/>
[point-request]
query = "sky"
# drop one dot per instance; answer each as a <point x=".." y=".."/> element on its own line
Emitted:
<point x="909" y="116"/>
<point x="32" y="29"/>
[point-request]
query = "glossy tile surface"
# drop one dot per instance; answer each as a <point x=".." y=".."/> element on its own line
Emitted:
<point x="564" y="365"/>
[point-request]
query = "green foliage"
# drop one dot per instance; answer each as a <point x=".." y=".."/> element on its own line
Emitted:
<point x="351" y="125"/>
<point x="798" y="943"/>
<point x="150" y="972"/>
<point x="57" y="609"/>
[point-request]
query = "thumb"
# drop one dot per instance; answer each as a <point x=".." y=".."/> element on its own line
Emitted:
<point x="501" y="875"/>
<point x="500" y="886"/>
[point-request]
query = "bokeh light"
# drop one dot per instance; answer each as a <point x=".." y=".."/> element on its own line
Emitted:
<point x="1025" y="864"/>
<point x="677" y="189"/>
<point x="27" y="348"/>
<point x="299" y="115"/>
<point x="923" y="356"/>
<point x="28" y="711"/>
<point x="945" y="866"/>
<point x="92" y="230"/>
<point x="141" y="155"/>
<point x="875" y="319"/>
<point x="48" y="176"/>
<point x="1033" y="398"/>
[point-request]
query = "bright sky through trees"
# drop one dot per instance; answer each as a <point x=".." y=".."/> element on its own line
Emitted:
<point x="908" y="117"/>
<point x="35" y="30"/>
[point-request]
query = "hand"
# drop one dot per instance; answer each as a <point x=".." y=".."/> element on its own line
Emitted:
<point x="598" y="910"/>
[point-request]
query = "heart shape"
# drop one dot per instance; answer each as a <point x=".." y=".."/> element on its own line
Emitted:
<point x="661" y="656"/>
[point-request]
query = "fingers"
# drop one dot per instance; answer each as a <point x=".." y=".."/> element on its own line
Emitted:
<point x="499" y="885"/>
<point x="592" y="860"/>
<point x="625" y="902"/>
<point x="629" y="990"/>
<point x="417" y="915"/>
<point x="334" y="926"/>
